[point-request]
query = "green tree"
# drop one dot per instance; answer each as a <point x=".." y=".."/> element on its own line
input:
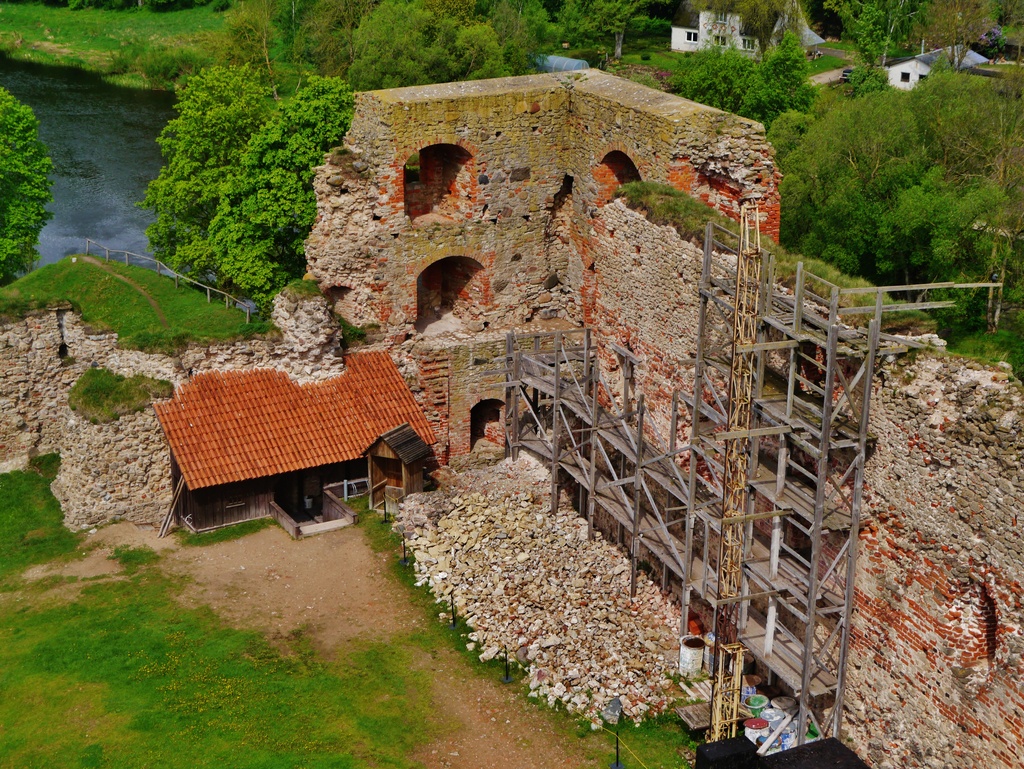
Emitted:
<point x="24" y="186"/>
<point x="330" y="29"/>
<point x="612" y="16"/>
<point x="878" y="25"/>
<point x="779" y="83"/>
<point x="714" y="76"/>
<point x="218" y="110"/>
<point x="252" y="37"/>
<point x="401" y="43"/>
<point x="957" y="24"/>
<point x="268" y="207"/>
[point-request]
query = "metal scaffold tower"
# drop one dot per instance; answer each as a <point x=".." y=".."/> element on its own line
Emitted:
<point x="757" y="516"/>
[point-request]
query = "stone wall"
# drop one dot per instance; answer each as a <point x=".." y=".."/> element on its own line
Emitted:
<point x="936" y="669"/>
<point x="526" y="162"/>
<point x="122" y="469"/>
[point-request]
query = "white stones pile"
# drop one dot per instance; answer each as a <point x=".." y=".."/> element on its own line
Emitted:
<point x="536" y="585"/>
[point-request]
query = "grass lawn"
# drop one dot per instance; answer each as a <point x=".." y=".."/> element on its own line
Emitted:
<point x="107" y="302"/>
<point x="133" y="678"/>
<point x="31" y="529"/>
<point x="824" y="64"/>
<point x="89" y="37"/>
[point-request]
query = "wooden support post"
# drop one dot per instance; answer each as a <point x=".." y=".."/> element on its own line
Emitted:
<point x="555" y="408"/>
<point x="637" y="481"/>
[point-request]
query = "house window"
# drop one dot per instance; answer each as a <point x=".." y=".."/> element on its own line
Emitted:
<point x="720" y="41"/>
<point x="904" y="77"/>
<point x="722" y="18"/>
<point x="748" y="44"/>
<point x="691" y="36"/>
<point x="921" y="77"/>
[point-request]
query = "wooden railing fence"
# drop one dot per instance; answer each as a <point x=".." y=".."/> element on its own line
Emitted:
<point x="162" y="269"/>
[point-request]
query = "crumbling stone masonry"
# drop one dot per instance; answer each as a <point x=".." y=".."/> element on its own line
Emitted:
<point x="514" y="178"/>
<point x="122" y="469"/>
<point x="484" y="203"/>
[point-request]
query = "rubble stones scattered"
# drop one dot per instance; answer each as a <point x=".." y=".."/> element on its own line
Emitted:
<point x="536" y="585"/>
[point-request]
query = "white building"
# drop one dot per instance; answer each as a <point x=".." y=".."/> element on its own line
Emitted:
<point x="692" y="31"/>
<point x="906" y="73"/>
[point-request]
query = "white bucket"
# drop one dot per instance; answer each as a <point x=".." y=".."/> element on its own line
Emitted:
<point x="691" y="652"/>
<point x="785" y="704"/>
<point x="709" y="653"/>
<point x="774" y="717"/>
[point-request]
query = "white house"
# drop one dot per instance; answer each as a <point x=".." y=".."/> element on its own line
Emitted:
<point x="906" y="73"/>
<point x="692" y="30"/>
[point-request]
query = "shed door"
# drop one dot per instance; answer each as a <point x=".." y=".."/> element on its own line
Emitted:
<point x="387" y="472"/>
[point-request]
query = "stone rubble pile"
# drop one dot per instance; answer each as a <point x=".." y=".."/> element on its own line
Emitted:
<point x="534" y="584"/>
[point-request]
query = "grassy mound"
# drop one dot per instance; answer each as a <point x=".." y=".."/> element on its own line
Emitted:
<point x="100" y="395"/>
<point x="107" y="302"/>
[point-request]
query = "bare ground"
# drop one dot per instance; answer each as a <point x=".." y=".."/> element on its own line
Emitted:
<point x="337" y="589"/>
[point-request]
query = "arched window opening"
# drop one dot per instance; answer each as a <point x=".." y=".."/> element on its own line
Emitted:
<point x="436" y="180"/>
<point x="452" y="290"/>
<point x="614" y="170"/>
<point x="487" y="419"/>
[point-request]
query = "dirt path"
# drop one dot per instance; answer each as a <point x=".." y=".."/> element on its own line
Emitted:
<point x="337" y="589"/>
<point x="152" y="302"/>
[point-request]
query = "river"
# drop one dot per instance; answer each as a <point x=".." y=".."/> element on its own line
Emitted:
<point x="102" y="139"/>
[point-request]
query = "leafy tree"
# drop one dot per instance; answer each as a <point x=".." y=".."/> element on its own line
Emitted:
<point x="522" y="27"/>
<point x="252" y="37"/>
<point x="24" y="186"/>
<point x="877" y="25"/>
<point x="956" y="24"/>
<point x="731" y="81"/>
<point x="779" y="83"/>
<point x="268" y="207"/>
<point x="330" y="29"/>
<point x="612" y="16"/>
<point x="713" y="76"/>
<point x="218" y="110"/>
<point x="865" y="80"/>
<point x="401" y="43"/>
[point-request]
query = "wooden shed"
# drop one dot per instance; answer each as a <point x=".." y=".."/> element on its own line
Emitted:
<point x="252" y="444"/>
<point x="396" y="460"/>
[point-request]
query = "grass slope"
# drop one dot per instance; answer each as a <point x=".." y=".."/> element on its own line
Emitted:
<point x="102" y="396"/>
<point x="106" y="302"/>
<point x="31" y="523"/>
<point x="90" y="38"/>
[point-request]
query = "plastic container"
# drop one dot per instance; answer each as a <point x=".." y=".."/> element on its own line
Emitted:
<point x="691" y="653"/>
<point x="786" y="704"/>
<point x="756" y="703"/>
<point x="787" y="739"/>
<point x="774" y="717"/>
<point x="755" y="729"/>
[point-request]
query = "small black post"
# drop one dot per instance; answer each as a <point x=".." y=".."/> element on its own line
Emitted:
<point x="617" y="764"/>
<point x="405" y="558"/>
<point x="507" y="679"/>
<point x="451" y="599"/>
<point x="385" y="512"/>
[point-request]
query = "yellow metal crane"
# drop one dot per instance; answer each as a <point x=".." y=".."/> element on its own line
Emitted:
<point x="728" y="683"/>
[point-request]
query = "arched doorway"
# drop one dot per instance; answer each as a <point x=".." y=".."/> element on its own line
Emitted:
<point x="455" y="288"/>
<point x="616" y="169"/>
<point x="437" y="181"/>
<point x="486" y="423"/>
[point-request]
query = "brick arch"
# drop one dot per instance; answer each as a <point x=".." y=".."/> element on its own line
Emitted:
<point x="486" y="421"/>
<point x="616" y="167"/>
<point x="456" y="284"/>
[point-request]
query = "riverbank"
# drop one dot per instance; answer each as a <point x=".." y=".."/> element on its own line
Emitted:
<point x="137" y="48"/>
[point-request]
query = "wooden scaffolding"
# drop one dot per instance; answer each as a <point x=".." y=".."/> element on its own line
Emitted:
<point x="805" y="447"/>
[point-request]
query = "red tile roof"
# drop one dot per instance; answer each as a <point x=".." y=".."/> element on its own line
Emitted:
<point x="236" y="425"/>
